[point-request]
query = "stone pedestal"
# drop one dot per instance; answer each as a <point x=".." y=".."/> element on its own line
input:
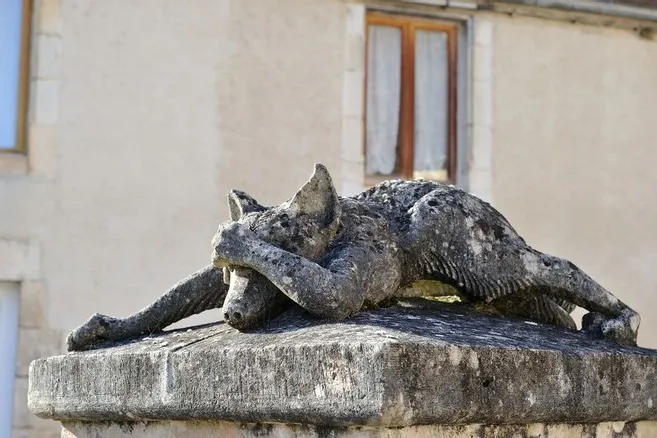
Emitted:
<point x="418" y="369"/>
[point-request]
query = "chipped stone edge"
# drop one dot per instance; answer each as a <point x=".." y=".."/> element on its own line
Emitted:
<point x="393" y="403"/>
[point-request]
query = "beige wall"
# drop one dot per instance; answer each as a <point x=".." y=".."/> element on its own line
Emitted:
<point x="575" y="148"/>
<point x="163" y="111"/>
<point x="143" y="115"/>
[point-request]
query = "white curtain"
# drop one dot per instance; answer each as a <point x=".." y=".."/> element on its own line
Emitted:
<point x="383" y="98"/>
<point x="431" y="101"/>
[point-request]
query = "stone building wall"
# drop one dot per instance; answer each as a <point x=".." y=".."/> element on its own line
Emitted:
<point x="143" y="115"/>
<point x="574" y="149"/>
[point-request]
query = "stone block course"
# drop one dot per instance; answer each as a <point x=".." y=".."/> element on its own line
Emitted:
<point x="49" y="20"/>
<point x="33" y="304"/>
<point x="34" y="343"/>
<point x="250" y="430"/>
<point x="19" y="260"/>
<point x="42" y="150"/>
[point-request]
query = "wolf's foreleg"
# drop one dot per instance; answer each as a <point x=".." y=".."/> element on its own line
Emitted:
<point x="202" y="290"/>
<point x="335" y="291"/>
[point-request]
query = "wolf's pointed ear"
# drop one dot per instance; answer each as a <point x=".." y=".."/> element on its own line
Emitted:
<point x="239" y="204"/>
<point x="318" y="198"/>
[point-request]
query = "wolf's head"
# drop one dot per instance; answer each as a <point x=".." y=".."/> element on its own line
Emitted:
<point x="303" y="225"/>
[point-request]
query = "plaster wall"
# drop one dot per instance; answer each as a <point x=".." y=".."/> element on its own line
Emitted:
<point x="574" y="155"/>
<point x="142" y="117"/>
<point x="159" y="113"/>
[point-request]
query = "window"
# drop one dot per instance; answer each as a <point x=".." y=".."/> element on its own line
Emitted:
<point x="9" y="315"/>
<point x="411" y="124"/>
<point x="15" y="18"/>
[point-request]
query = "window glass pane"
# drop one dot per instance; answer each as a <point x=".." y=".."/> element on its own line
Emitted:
<point x="431" y="132"/>
<point x="383" y="99"/>
<point x="10" y="50"/>
<point x="9" y="314"/>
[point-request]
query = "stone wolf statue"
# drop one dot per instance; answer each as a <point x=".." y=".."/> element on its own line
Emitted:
<point x="334" y="256"/>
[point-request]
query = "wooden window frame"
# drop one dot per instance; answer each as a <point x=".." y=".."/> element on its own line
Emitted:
<point x="408" y="25"/>
<point x="20" y="145"/>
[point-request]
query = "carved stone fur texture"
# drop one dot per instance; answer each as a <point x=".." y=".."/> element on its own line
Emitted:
<point x="334" y="256"/>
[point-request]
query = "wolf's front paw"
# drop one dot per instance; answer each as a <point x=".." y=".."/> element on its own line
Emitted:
<point x="622" y="329"/>
<point x="592" y="323"/>
<point x="232" y="245"/>
<point x="95" y="331"/>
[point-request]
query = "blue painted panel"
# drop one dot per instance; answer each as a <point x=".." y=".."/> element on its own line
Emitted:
<point x="10" y="53"/>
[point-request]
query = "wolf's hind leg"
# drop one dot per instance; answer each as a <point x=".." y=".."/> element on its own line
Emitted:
<point x="202" y="290"/>
<point x="536" y="306"/>
<point x="564" y="280"/>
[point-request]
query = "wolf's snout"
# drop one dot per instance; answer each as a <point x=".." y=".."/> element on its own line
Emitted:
<point x="232" y="317"/>
<point x="236" y="315"/>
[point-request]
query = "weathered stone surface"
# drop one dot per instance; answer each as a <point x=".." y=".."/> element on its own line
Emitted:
<point x="418" y="363"/>
<point x="336" y="256"/>
<point x="633" y="9"/>
<point x="175" y="429"/>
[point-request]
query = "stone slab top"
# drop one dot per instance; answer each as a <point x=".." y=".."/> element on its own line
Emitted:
<point x="420" y="362"/>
